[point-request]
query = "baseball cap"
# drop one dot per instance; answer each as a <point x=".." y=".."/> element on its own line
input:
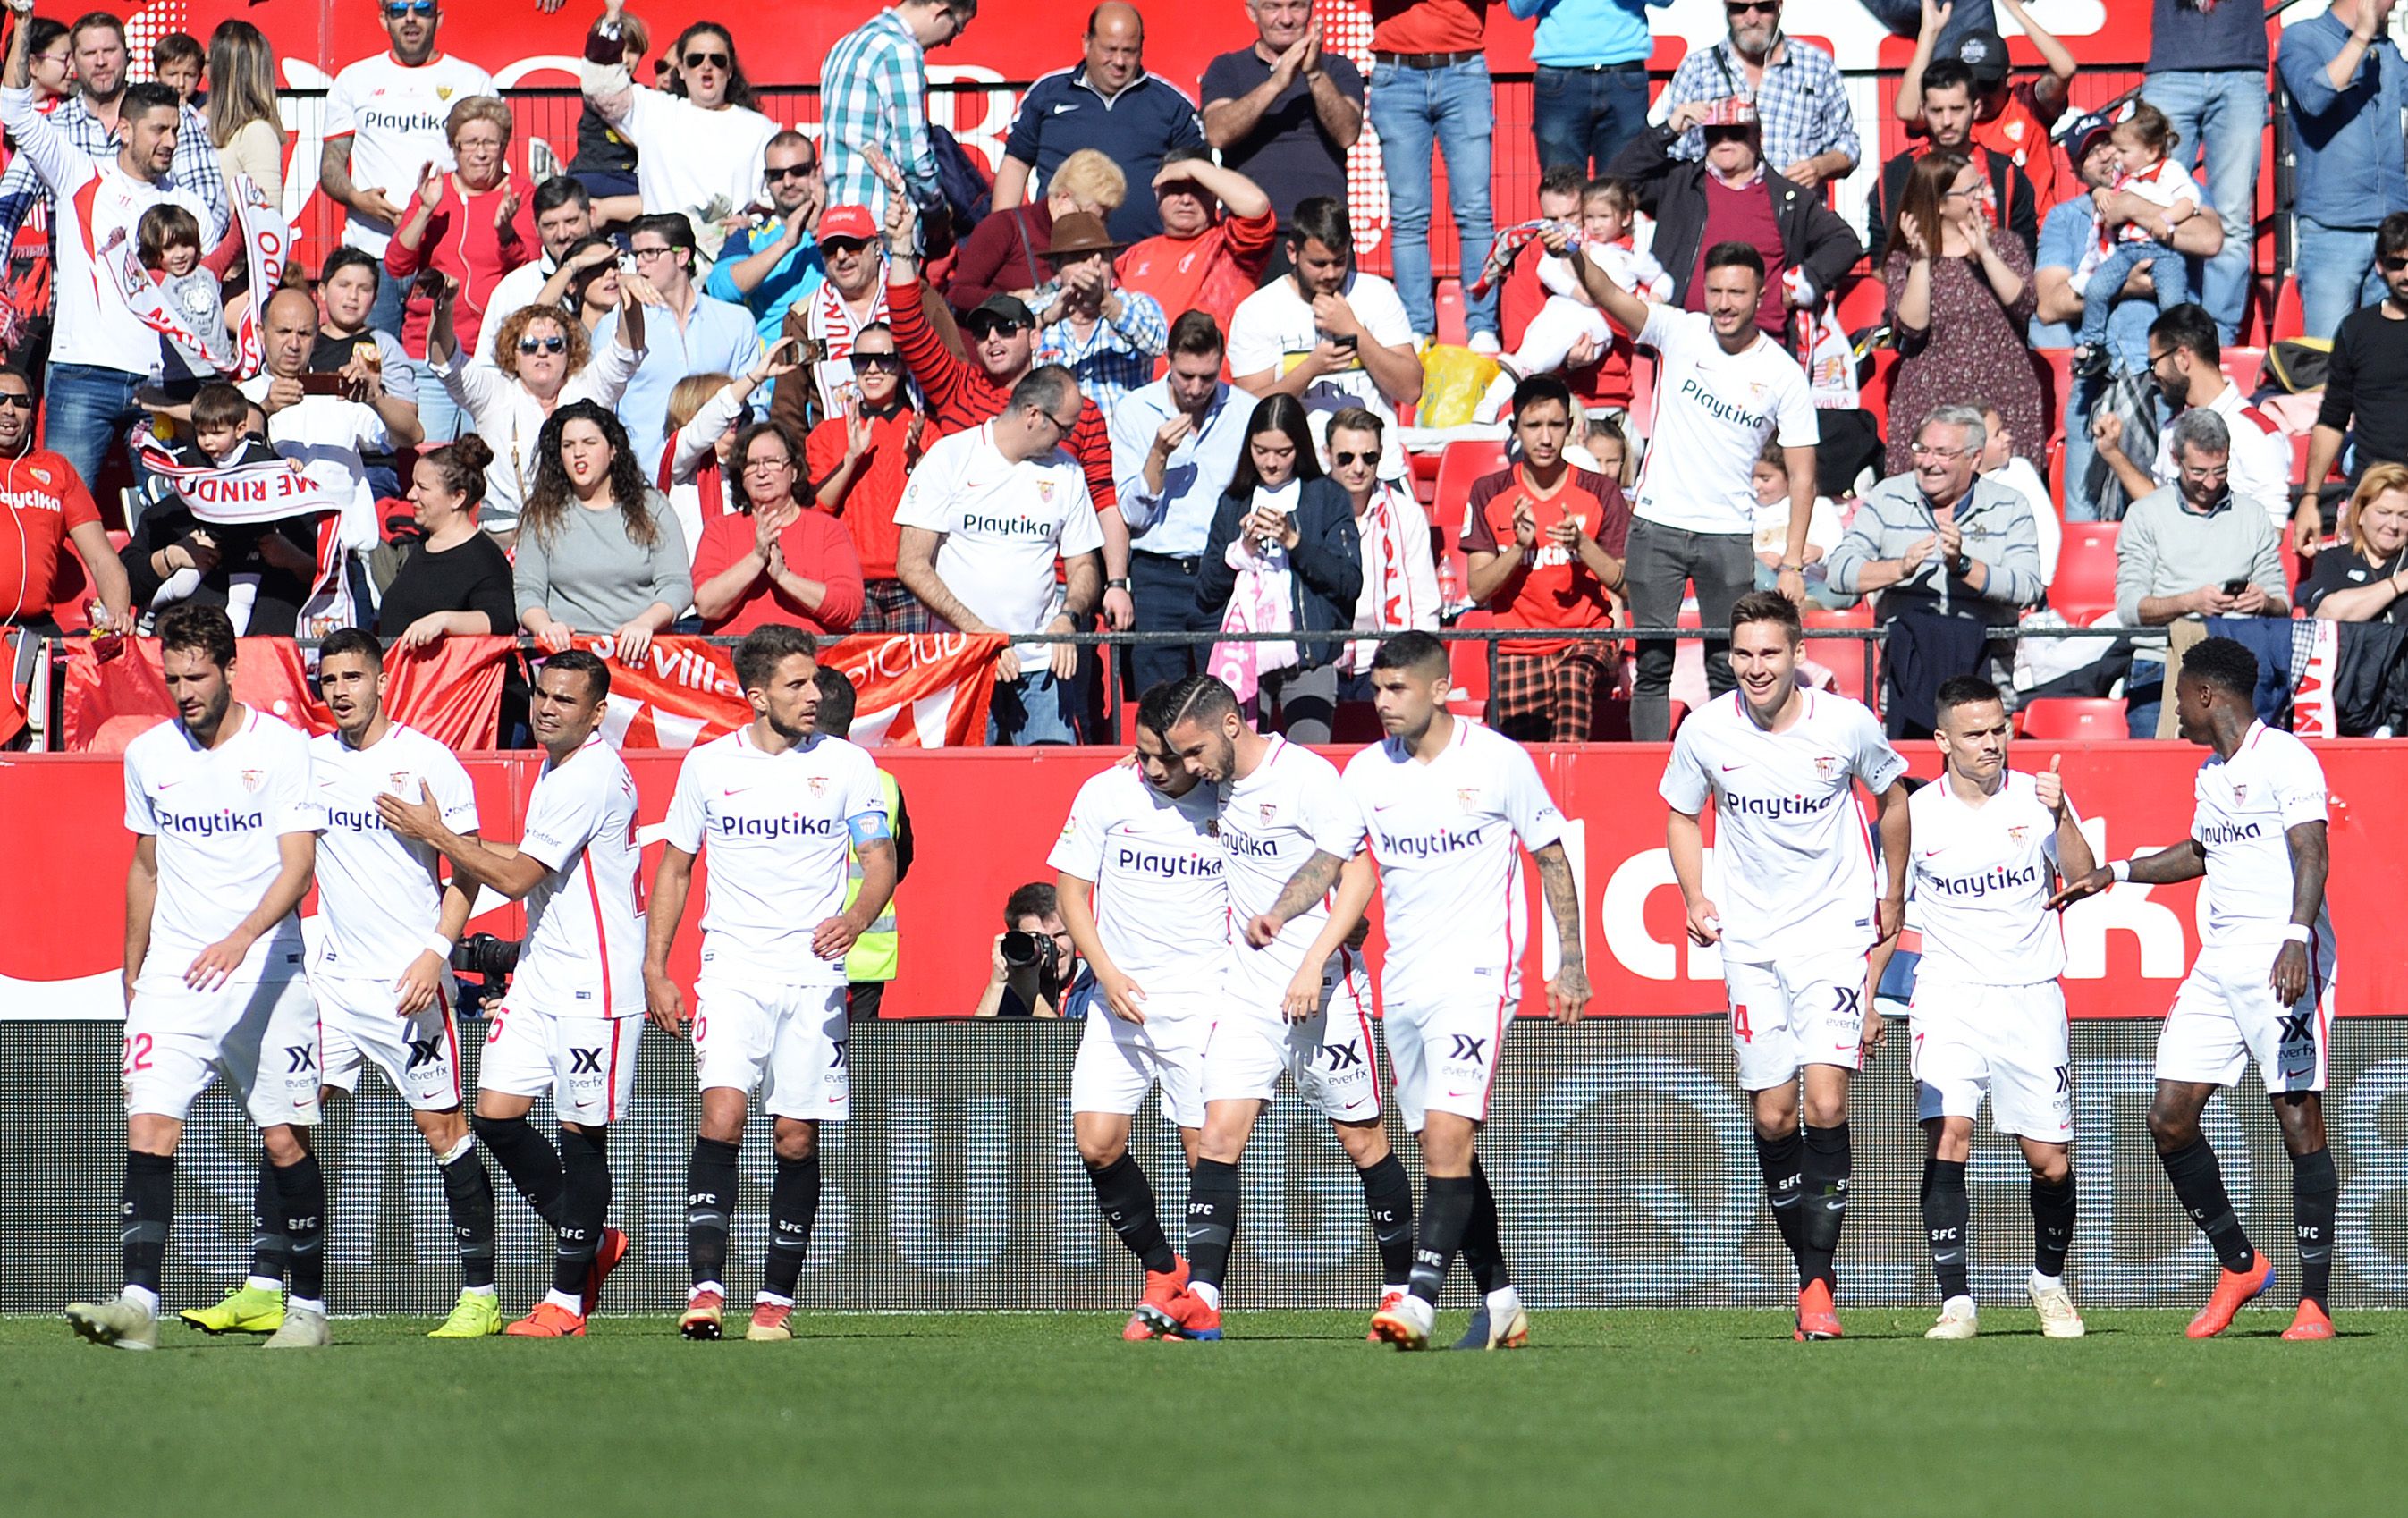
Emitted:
<point x="997" y="310"/>
<point x="2079" y="131"/>
<point x="1985" y="53"/>
<point x="846" y="222"/>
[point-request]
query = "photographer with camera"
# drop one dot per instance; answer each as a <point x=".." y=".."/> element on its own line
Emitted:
<point x="1035" y="970"/>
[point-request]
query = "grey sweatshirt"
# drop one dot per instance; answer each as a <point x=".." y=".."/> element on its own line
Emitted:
<point x="2165" y="549"/>
<point x="1999" y="531"/>
<point x="591" y="576"/>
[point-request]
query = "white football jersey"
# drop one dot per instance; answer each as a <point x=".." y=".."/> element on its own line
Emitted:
<point x="583" y="955"/>
<point x="2245" y="805"/>
<point x="1980" y="878"/>
<point x="1292" y="807"/>
<point x="1161" y="908"/>
<point x="1444" y="836"/>
<point x="218" y="815"/>
<point x="1797" y="862"/>
<point x="379" y="895"/>
<point x="779" y="827"/>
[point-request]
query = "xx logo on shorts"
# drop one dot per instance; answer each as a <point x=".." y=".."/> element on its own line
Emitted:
<point x="2295" y="1028"/>
<point x="842" y="1058"/>
<point x="1344" y="1056"/>
<point x="1846" y="1000"/>
<point x="1468" y="1048"/>
<point x="299" y="1057"/>
<point x="2064" y="1079"/>
<point x="424" y="1052"/>
<point x="585" y="1061"/>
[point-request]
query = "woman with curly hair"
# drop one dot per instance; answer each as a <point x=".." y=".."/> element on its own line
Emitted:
<point x="600" y="550"/>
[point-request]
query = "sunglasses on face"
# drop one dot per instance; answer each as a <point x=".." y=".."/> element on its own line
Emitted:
<point x="1341" y="460"/>
<point x="396" y="9"/>
<point x="1741" y="8"/>
<point x="706" y="60"/>
<point x="791" y="171"/>
<point x="890" y="362"/>
<point x="13" y="401"/>
<point x="2393" y="263"/>
<point x="843" y="245"/>
<point x="983" y="328"/>
<point x="542" y="345"/>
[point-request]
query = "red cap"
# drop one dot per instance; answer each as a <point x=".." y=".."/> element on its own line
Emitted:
<point x="846" y="222"/>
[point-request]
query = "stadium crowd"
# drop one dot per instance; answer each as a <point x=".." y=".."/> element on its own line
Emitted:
<point x="720" y="372"/>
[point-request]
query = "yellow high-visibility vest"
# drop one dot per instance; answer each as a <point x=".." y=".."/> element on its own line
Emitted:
<point x="876" y="953"/>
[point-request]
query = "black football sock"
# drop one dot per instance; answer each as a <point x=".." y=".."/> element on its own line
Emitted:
<point x="468" y="1194"/>
<point x="1783" y="1161"/>
<point x="1388" y="1197"/>
<point x="793" y="1207"/>
<point x="301" y="1196"/>
<point x="268" y="1251"/>
<point x="1830" y="1165"/>
<point x="2052" y="1210"/>
<point x="1212" y="1193"/>
<point x="2316" y="1188"/>
<point x="1484" y="1240"/>
<point x="709" y="1202"/>
<point x="528" y="1159"/>
<point x="1946" y="1211"/>
<point x="1446" y="1212"/>
<point x="146" y="1215"/>
<point x="585" y="1207"/>
<point x="1125" y="1198"/>
<point x="2199" y="1184"/>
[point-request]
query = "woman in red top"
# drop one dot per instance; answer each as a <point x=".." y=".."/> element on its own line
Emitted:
<point x="775" y="562"/>
<point x="472" y="226"/>
<point x="858" y="464"/>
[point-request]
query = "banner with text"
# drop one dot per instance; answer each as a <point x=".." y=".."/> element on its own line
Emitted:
<point x="450" y="689"/>
<point x="927" y="691"/>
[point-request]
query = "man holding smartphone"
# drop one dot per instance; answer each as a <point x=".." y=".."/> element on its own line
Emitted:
<point x="2187" y="552"/>
<point x="313" y="420"/>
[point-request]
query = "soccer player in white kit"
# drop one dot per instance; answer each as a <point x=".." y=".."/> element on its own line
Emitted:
<point x="218" y="801"/>
<point x="1139" y="875"/>
<point x="1803" y="924"/>
<point x="2262" y="986"/>
<point x="780" y="805"/>
<point x="1990" y="845"/>
<point x="1297" y="1004"/>
<point x="1446" y="808"/>
<point x="575" y="1010"/>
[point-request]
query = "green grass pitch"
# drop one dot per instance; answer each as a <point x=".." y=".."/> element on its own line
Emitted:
<point x="1661" y="1412"/>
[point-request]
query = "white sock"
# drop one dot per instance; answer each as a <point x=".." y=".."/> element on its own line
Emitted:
<point x="305" y="1304"/>
<point x="141" y="1296"/>
<point x="1393" y="1288"/>
<point x="1965" y="1302"/>
<point x="467" y="1141"/>
<point x="476" y="1291"/>
<point x="706" y="1286"/>
<point x="565" y="1302"/>
<point x="1501" y="1303"/>
<point x="773" y="1300"/>
<point x="262" y="1283"/>
<point x="1208" y="1294"/>
<point x="2045" y="1283"/>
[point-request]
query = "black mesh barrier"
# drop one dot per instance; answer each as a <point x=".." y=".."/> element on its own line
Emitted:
<point x="1620" y="1151"/>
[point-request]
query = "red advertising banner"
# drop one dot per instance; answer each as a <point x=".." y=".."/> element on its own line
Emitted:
<point x="927" y="691"/>
<point x="984" y="819"/>
<point x="450" y="691"/>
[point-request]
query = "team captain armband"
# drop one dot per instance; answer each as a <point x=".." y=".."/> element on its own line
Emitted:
<point x="869" y="827"/>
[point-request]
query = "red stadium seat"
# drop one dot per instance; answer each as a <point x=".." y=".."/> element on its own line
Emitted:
<point x="2086" y="572"/>
<point x="1641" y="420"/>
<point x="1844" y="658"/>
<point x="1469" y="662"/>
<point x="2068" y="719"/>
<point x="2246" y="367"/>
<point x="1463" y="464"/>
<point x="2290" y="317"/>
<point x="1875" y="395"/>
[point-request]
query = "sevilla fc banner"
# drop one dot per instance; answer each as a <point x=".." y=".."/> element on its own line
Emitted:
<point x="926" y="691"/>
<point x="450" y="691"/>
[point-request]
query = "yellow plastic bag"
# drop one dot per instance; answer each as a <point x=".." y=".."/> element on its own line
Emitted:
<point x="1453" y="381"/>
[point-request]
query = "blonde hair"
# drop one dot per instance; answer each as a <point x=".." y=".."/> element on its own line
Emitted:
<point x="690" y="396"/>
<point x="2379" y="479"/>
<point x="1090" y="178"/>
<point x="478" y="108"/>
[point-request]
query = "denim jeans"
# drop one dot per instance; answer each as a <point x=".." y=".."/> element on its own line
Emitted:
<point x="2169" y="277"/>
<point x="2221" y="112"/>
<point x="1456" y="107"/>
<point x="2335" y="268"/>
<point x="86" y="412"/>
<point x="1585" y="116"/>
<point x="2145" y="696"/>
<point x="391" y="296"/>
<point x="2080" y="398"/>
<point x="1034" y="709"/>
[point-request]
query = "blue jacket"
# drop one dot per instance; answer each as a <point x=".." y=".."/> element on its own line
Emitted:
<point x="1326" y="561"/>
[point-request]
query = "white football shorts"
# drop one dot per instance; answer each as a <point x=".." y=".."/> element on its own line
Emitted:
<point x="1329" y="1055"/>
<point x="418" y="1054"/>
<point x="2226" y="1014"/>
<point x="1443" y="1051"/>
<point x="263" y="1035"/>
<point x="587" y="1064"/>
<point x="2008" y="1040"/>
<point x="790" y="1041"/>
<point x="1809" y="1009"/>
<point x="1120" y="1061"/>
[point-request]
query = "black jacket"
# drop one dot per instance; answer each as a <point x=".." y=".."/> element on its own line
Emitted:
<point x="1813" y="237"/>
<point x="1326" y="561"/>
<point x="2008" y="182"/>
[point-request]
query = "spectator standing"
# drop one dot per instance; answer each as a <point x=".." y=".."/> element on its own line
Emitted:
<point x="599" y="551"/>
<point x="1004" y="254"/>
<point x="1810" y="134"/>
<point x="2207" y="72"/>
<point x="1589" y="97"/>
<point x="244" y="124"/>
<point x="1544" y="546"/>
<point x="1732" y="195"/>
<point x="2188" y="550"/>
<point x="1176" y="443"/>
<point x="831" y="319"/>
<point x="1943" y="538"/>
<point x="1429" y="87"/>
<point x="456" y="581"/>
<point x="1109" y="102"/>
<point x="564" y="217"/>
<point x="689" y="331"/>
<point x="857" y="462"/>
<point x="329" y="436"/>
<point x="1722" y="389"/>
<point x="45" y="510"/>
<point x="874" y="101"/>
<point x="1326" y="332"/>
<point x="385" y="121"/>
<point x="1399" y="589"/>
<point x="2011" y="117"/>
<point x="2348" y="89"/>
<point x="986" y="515"/>
<point x="1948" y="116"/>
<point x="2361" y="580"/>
<point x="1217" y="230"/>
<point x="605" y="164"/>
<point x="465" y="229"/>
<point x="1109" y="338"/>
<point x="698" y="143"/>
<point x="1283" y="113"/>
<point x="2186" y="361"/>
<point x="774" y="260"/>
<point x="1960" y="297"/>
<point x="2366" y="387"/>
<point x="774" y="560"/>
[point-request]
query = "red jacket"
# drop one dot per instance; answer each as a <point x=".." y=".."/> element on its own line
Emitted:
<point x="462" y="240"/>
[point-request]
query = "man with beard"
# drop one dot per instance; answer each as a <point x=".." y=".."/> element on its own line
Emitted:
<point x="2186" y="361"/>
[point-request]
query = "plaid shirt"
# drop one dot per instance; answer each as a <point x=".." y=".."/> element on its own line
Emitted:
<point x="196" y="169"/>
<point x="874" y="90"/>
<point x="1117" y="357"/>
<point x="1803" y="103"/>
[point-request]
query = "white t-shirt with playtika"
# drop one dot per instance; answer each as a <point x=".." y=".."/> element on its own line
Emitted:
<point x="584" y="947"/>
<point x="1004" y="524"/>
<point x="1292" y="807"/>
<point x="1273" y="330"/>
<point x="1713" y="412"/>
<point x="379" y="895"/>
<point x="2247" y="807"/>
<point x="1160" y="906"/>
<point x="395" y="116"/>
<point x="1980" y="878"/>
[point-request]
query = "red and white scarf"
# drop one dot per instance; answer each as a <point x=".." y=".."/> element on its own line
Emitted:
<point x="1386" y="585"/>
<point x="266" y="239"/>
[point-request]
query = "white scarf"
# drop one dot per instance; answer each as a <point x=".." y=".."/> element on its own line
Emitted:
<point x="1263" y="601"/>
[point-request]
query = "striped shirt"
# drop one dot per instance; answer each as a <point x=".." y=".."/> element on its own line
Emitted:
<point x="1117" y="355"/>
<point x="1802" y="105"/>
<point x="874" y="91"/>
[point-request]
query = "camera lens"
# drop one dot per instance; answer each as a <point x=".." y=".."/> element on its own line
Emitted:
<point x="1020" y="950"/>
